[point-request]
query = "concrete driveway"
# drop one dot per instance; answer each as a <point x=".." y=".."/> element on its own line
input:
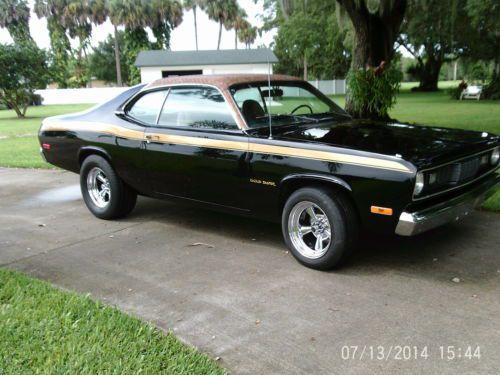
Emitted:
<point x="246" y="300"/>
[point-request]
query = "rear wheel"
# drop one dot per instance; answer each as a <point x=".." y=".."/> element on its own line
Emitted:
<point x="104" y="193"/>
<point x="319" y="227"/>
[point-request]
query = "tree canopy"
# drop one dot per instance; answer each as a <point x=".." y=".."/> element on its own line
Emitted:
<point x="310" y="40"/>
<point x="24" y="69"/>
<point x="15" y="16"/>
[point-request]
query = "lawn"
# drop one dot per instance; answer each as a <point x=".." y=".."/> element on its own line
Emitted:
<point x="19" y="146"/>
<point x="18" y="142"/>
<point x="44" y="330"/>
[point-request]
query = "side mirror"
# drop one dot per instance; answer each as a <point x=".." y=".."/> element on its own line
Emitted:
<point x="120" y="112"/>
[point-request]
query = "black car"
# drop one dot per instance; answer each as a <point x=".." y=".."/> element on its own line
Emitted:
<point x="274" y="148"/>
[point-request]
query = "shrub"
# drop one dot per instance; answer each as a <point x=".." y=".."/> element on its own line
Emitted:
<point x="454" y="92"/>
<point x="372" y="92"/>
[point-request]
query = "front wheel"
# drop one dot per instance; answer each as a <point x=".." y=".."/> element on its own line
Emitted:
<point x="104" y="193"/>
<point x="319" y="227"/>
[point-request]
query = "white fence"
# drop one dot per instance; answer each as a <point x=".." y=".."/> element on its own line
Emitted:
<point x="94" y="95"/>
<point x="330" y="87"/>
<point x="99" y="95"/>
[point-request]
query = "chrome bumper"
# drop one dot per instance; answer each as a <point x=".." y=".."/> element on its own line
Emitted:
<point x="43" y="155"/>
<point x="412" y="223"/>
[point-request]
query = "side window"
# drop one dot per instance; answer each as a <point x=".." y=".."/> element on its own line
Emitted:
<point x="196" y="107"/>
<point x="147" y="107"/>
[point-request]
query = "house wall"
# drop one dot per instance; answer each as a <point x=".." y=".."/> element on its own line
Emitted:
<point x="149" y="74"/>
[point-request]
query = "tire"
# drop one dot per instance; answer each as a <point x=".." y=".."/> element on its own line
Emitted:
<point x="104" y="193"/>
<point x="341" y="222"/>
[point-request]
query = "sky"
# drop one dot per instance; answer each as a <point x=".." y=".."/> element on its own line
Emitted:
<point x="182" y="37"/>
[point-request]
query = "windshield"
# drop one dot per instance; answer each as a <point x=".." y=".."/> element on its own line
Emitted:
<point x="289" y="102"/>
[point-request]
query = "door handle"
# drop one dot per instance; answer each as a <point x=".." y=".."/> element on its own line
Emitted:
<point x="151" y="138"/>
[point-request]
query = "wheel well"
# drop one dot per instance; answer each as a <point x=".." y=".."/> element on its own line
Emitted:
<point x="85" y="153"/>
<point x="289" y="187"/>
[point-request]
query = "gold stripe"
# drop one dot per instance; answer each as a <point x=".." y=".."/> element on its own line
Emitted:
<point x="199" y="141"/>
<point x="96" y="127"/>
<point x="328" y="156"/>
<point x="233" y="145"/>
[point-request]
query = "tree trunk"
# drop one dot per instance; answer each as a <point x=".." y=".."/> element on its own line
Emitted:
<point x="375" y="34"/>
<point x="195" y="28"/>
<point x="12" y="104"/>
<point x="285" y="8"/>
<point x="305" y="68"/>
<point x="429" y="74"/>
<point x="117" y="59"/>
<point x="235" y="38"/>
<point x="220" y="35"/>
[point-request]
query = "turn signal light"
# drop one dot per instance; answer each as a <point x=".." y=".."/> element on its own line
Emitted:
<point x="381" y="210"/>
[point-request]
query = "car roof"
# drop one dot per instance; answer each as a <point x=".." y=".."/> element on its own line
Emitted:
<point x="222" y="81"/>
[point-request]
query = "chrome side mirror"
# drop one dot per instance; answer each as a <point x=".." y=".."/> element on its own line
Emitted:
<point x="120" y="112"/>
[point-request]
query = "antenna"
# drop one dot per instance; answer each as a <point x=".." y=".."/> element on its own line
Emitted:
<point x="269" y="98"/>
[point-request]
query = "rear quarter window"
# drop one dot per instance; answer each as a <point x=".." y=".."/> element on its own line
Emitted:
<point x="147" y="107"/>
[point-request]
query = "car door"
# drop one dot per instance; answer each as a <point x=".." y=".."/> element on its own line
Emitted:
<point x="128" y="125"/>
<point x="196" y="150"/>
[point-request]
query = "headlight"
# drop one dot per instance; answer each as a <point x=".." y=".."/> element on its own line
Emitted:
<point x="495" y="156"/>
<point x="419" y="184"/>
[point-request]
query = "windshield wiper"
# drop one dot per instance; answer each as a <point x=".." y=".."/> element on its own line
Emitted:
<point x="306" y="118"/>
<point x="334" y="114"/>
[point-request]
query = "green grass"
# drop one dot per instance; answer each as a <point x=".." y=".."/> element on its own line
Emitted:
<point x="44" y="330"/>
<point x="18" y="137"/>
<point x="439" y="110"/>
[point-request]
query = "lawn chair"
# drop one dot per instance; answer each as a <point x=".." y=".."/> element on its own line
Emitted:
<point x="471" y="92"/>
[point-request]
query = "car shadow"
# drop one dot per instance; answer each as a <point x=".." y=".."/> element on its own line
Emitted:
<point x="466" y="249"/>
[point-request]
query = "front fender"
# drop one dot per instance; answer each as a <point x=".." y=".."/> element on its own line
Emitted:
<point x="314" y="177"/>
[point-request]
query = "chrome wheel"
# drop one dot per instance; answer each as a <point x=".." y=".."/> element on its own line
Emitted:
<point x="309" y="230"/>
<point x="98" y="187"/>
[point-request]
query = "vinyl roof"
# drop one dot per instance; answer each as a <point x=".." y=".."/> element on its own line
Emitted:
<point x="221" y="57"/>
<point x="222" y="81"/>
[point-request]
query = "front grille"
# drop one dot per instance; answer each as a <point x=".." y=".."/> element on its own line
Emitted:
<point x="456" y="174"/>
<point x="467" y="170"/>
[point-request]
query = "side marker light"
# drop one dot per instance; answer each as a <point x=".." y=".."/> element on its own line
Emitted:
<point x="381" y="210"/>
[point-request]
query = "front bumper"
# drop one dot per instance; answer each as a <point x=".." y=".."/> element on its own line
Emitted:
<point x="412" y="223"/>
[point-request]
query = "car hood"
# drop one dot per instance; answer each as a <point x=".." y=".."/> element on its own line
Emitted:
<point x="423" y="146"/>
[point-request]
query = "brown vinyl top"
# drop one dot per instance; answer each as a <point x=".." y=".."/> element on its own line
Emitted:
<point x="222" y="81"/>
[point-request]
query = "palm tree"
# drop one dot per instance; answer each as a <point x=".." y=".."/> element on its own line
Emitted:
<point x="15" y="16"/>
<point x="239" y="23"/>
<point x="194" y="4"/>
<point x="132" y="15"/>
<point x="248" y="34"/>
<point x="76" y="17"/>
<point x="59" y="41"/>
<point x="162" y="17"/>
<point x="223" y="12"/>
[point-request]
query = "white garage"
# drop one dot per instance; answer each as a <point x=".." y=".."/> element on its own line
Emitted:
<point x="159" y="64"/>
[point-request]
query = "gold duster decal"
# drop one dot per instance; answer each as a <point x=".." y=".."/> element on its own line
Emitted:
<point x="262" y="182"/>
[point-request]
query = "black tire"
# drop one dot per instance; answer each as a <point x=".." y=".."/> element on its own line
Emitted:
<point x="122" y="198"/>
<point x="342" y="220"/>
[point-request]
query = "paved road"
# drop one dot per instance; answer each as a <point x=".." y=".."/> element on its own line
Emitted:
<point x="245" y="299"/>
